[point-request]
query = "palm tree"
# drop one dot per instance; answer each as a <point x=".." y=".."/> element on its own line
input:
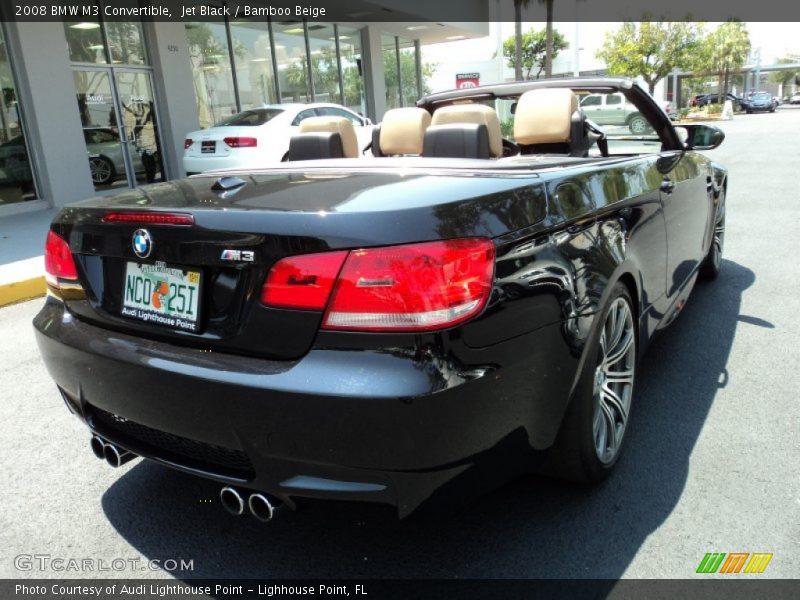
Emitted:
<point x="518" y="6"/>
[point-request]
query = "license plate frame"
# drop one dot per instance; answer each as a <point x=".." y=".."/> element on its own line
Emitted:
<point x="208" y="147"/>
<point x="150" y="298"/>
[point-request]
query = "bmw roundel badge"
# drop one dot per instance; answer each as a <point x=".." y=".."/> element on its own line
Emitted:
<point x="142" y="244"/>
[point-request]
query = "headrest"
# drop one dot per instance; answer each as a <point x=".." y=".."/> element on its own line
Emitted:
<point x="473" y="113"/>
<point x="457" y="140"/>
<point x="344" y="127"/>
<point x="544" y="116"/>
<point x="403" y="130"/>
<point x="314" y="146"/>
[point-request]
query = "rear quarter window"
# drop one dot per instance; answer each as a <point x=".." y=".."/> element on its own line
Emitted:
<point x="251" y="118"/>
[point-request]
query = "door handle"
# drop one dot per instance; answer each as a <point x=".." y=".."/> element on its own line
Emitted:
<point x="667" y="186"/>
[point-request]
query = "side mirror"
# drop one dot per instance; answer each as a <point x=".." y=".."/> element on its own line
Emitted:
<point x="367" y="121"/>
<point x="701" y="137"/>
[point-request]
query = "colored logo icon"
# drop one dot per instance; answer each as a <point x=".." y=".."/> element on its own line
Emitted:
<point x="142" y="243"/>
<point x="734" y="562"/>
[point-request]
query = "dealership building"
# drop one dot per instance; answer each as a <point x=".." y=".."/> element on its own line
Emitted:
<point x="99" y="106"/>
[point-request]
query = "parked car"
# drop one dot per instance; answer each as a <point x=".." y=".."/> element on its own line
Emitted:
<point x="759" y="102"/>
<point x="259" y="136"/>
<point x="694" y="100"/>
<point x="456" y="311"/>
<point x="706" y="99"/>
<point x="795" y="98"/>
<point x="105" y="155"/>
<point x="669" y="109"/>
<point x="614" y="109"/>
<point x="15" y="169"/>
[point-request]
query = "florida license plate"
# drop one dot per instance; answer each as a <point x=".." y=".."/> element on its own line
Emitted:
<point x="162" y="295"/>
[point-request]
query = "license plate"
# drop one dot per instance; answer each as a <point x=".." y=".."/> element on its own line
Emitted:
<point x="208" y="147"/>
<point x="162" y="295"/>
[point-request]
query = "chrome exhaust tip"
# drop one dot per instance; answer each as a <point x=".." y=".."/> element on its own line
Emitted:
<point x="97" y="445"/>
<point x="232" y="501"/>
<point x="115" y="456"/>
<point x="262" y="507"/>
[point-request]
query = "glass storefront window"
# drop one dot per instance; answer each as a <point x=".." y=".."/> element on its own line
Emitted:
<point x="16" y="177"/>
<point x="253" y="58"/>
<point x="211" y="71"/>
<point x="290" y="52"/>
<point x="408" y="72"/>
<point x="352" y="69"/>
<point x="126" y="43"/>
<point x="389" y="47"/>
<point x="85" y="42"/>
<point x="324" y="66"/>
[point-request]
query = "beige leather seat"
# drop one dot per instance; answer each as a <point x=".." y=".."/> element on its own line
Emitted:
<point x="478" y="114"/>
<point x="402" y="132"/>
<point x="342" y="126"/>
<point x="549" y="120"/>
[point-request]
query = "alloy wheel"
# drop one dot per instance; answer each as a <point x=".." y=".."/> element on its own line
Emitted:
<point x="613" y="380"/>
<point x="719" y="242"/>
<point x="100" y="168"/>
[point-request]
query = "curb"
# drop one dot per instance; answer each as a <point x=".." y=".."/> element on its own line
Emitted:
<point x="17" y="291"/>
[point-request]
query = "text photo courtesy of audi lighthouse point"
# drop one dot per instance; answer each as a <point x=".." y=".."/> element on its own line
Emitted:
<point x="328" y="298"/>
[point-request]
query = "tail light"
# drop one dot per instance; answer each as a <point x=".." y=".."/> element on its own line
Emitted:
<point x="302" y="282"/>
<point x="149" y="218"/>
<point x="187" y="143"/>
<point x="241" y="142"/>
<point x="58" y="261"/>
<point x="414" y="287"/>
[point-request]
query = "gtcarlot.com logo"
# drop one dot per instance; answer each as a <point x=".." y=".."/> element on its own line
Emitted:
<point x="734" y="562"/>
<point x="70" y="564"/>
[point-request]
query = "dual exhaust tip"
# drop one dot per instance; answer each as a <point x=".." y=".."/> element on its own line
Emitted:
<point x="111" y="453"/>
<point x="261" y="506"/>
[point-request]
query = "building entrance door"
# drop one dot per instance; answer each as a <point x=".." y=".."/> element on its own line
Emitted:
<point x="120" y="126"/>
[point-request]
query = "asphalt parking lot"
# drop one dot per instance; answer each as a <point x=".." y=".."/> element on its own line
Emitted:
<point x="711" y="462"/>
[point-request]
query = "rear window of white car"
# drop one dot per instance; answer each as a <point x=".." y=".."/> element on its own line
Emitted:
<point x="253" y="117"/>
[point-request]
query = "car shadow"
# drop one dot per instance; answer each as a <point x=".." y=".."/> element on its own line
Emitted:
<point x="532" y="528"/>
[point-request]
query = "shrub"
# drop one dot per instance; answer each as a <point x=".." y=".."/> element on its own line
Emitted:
<point x="507" y="128"/>
<point x="714" y="109"/>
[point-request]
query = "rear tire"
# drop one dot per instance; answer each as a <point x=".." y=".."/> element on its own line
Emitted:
<point x="592" y="434"/>
<point x="712" y="263"/>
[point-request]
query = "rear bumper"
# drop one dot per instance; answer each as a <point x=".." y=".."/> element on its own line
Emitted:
<point x="370" y="426"/>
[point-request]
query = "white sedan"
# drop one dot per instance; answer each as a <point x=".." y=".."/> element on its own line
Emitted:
<point x="259" y="136"/>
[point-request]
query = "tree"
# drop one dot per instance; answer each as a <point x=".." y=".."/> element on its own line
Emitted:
<point x="518" y="6"/>
<point x="784" y="78"/>
<point x="408" y="78"/>
<point x="651" y="49"/>
<point x="533" y="51"/>
<point x="726" y="50"/>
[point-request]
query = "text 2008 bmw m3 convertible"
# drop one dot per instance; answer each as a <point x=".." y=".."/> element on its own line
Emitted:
<point x="456" y="310"/>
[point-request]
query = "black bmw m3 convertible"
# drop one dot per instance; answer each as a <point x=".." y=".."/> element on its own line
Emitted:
<point x="457" y="309"/>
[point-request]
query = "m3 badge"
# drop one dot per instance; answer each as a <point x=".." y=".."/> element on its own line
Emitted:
<point x="238" y="255"/>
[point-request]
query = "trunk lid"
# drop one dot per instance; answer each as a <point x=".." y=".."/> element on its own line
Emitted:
<point x="243" y="224"/>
